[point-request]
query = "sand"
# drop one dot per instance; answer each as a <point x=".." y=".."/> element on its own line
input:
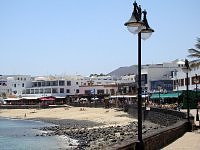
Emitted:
<point x="98" y="115"/>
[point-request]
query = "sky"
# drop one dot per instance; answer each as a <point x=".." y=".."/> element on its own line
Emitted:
<point x="70" y="37"/>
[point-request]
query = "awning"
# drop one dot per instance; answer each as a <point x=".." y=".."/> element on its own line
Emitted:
<point x="61" y="97"/>
<point x="12" y="99"/>
<point x="28" y="98"/>
<point x="123" y="96"/>
<point x="165" y="95"/>
<point x="47" y="98"/>
<point x="127" y="96"/>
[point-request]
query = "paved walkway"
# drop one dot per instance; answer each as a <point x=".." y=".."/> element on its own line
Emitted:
<point x="189" y="141"/>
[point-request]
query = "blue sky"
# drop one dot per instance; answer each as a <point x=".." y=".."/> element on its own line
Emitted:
<point x="42" y="37"/>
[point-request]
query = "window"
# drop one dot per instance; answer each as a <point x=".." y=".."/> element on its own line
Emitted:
<point x="32" y="91"/>
<point x="179" y="82"/>
<point x="27" y="91"/>
<point x="36" y="91"/>
<point x="53" y="83"/>
<point x="43" y="83"/>
<point x="39" y="84"/>
<point x="100" y="91"/>
<point x="54" y="90"/>
<point x="67" y="90"/>
<point x="76" y="83"/>
<point x="41" y="91"/>
<point x="87" y="92"/>
<point x="35" y="84"/>
<point x="112" y="91"/>
<point x="15" y="92"/>
<point x="24" y="92"/>
<point x="61" y="83"/>
<point x="22" y="84"/>
<point x="175" y="84"/>
<point x="48" y="90"/>
<point x="186" y="81"/>
<point x="69" y="83"/>
<point x="77" y="90"/>
<point x="48" y="83"/>
<point x="182" y="82"/>
<point x="61" y="90"/>
<point x="15" y="85"/>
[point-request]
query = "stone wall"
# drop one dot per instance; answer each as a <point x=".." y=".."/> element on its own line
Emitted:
<point x="165" y="117"/>
<point x="157" y="140"/>
<point x="175" y="122"/>
<point x="165" y="136"/>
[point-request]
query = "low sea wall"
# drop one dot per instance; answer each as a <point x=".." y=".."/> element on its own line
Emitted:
<point x="175" y="123"/>
<point x="156" y="140"/>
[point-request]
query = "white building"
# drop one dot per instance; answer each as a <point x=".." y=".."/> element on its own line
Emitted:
<point x="57" y="86"/>
<point x="128" y="78"/>
<point x="155" y="75"/>
<point x="13" y="85"/>
<point x="98" y="85"/>
<point x="167" y="75"/>
<point x="180" y="79"/>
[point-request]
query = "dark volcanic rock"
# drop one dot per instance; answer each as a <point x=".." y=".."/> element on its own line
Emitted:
<point x="91" y="136"/>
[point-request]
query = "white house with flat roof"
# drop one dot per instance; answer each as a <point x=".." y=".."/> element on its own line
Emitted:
<point x="180" y="79"/>
<point x="98" y="85"/>
<point x="13" y="85"/>
<point x="155" y="76"/>
<point x="58" y="86"/>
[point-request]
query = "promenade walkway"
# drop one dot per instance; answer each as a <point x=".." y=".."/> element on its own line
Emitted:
<point x="189" y="141"/>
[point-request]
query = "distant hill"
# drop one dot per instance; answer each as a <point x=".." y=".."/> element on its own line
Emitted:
<point x="124" y="71"/>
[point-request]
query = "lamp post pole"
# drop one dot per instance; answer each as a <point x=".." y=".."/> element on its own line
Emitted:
<point x="187" y="95"/>
<point x="139" y="91"/>
<point x="141" y="27"/>
<point x="196" y="82"/>
<point x="186" y="69"/>
<point x="159" y="88"/>
<point x="177" y="84"/>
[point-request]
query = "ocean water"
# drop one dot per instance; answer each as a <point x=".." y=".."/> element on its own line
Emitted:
<point x="21" y="135"/>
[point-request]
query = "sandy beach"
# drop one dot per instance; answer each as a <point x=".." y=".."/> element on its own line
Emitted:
<point x="97" y="115"/>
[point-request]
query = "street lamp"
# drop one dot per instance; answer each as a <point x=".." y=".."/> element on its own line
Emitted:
<point x="196" y="81"/>
<point x="141" y="27"/>
<point x="186" y="69"/>
<point x="159" y="90"/>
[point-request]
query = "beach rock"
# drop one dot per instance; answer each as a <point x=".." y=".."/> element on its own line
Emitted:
<point x="98" y="137"/>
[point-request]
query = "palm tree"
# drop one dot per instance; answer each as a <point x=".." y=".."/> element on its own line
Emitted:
<point x="195" y="53"/>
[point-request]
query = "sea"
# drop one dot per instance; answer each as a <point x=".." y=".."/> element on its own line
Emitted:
<point x="16" y="134"/>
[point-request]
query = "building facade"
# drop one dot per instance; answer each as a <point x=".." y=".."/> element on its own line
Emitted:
<point x="160" y="76"/>
<point x="180" y="80"/>
<point x="56" y="86"/>
<point x="13" y="85"/>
